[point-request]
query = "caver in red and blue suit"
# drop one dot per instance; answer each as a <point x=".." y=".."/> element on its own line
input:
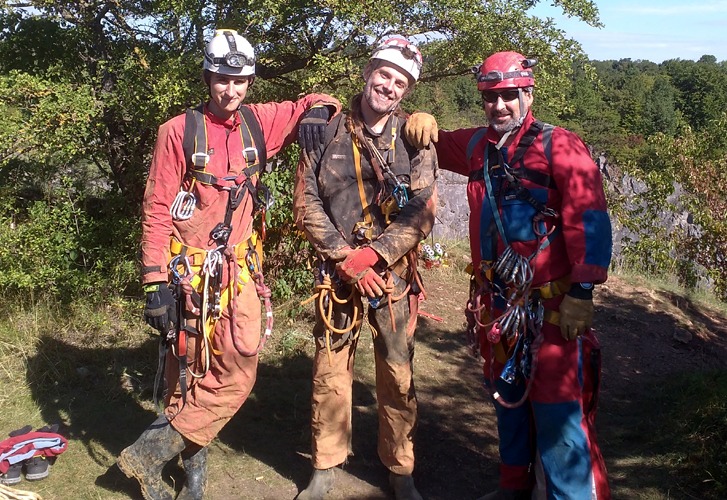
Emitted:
<point x="197" y="227"/>
<point x="540" y="239"/>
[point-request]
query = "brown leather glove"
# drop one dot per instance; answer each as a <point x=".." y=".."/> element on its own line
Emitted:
<point x="576" y="316"/>
<point x="421" y="129"/>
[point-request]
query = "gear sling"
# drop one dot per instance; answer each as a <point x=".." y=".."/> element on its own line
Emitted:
<point x="196" y="273"/>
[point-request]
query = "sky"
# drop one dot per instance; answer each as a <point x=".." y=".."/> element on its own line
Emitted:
<point x="652" y="30"/>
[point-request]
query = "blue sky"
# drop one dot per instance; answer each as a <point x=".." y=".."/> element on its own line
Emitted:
<point x="653" y="30"/>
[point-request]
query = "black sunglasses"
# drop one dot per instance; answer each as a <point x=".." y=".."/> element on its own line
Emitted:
<point x="492" y="96"/>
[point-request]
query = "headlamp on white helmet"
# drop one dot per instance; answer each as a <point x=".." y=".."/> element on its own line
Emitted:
<point x="229" y="54"/>
<point x="402" y="53"/>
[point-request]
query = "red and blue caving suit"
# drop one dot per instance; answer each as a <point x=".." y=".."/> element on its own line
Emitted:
<point x="557" y="419"/>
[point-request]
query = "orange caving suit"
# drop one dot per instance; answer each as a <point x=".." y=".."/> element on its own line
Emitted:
<point x="213" y="398"/>
<point x="328" y="204"/>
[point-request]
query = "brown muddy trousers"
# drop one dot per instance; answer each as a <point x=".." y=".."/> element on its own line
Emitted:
<point x="332" y="382"/>
<point x="332" y="198"/>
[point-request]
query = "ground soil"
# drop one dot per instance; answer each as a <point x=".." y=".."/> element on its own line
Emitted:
<point x="647" y="337"/>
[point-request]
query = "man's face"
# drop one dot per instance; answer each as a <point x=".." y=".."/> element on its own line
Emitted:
<point x="385" y="87"/>
<point x="502" y="108"/>
<point x="227" y="93"/>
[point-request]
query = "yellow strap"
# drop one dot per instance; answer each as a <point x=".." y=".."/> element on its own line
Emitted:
<point x="554" y="288"/>
<point x="359" y="181"/>
<point x="552" y="317"/>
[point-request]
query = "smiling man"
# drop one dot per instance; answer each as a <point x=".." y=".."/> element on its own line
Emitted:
<point x="365" y="200"/>
<point x="540" y="238"/>
<point x="200" y="261"/>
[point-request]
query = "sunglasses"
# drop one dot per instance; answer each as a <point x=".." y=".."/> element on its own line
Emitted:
<point x="492" y="96"/>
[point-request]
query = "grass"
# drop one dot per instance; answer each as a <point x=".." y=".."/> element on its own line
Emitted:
<point x="88" y="368"/>
<point x="670" y="284"/>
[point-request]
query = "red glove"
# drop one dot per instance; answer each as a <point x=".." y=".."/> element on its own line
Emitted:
<point x="371" y="284"/>
<point x="356" y="264"/>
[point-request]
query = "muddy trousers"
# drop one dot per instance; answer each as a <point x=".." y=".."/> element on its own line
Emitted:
<point x="213" y="399"/>
<point x="332" y="386"/>
<point x="556" y="425"/>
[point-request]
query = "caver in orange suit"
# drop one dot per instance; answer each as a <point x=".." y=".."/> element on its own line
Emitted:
<point x="197" y="233"/>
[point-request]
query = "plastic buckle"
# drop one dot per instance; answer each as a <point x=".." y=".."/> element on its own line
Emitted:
<point x="200" y="159"/>
<point x="253" y="151"/>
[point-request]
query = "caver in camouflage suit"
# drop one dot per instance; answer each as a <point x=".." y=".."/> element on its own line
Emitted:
<point x="336" y="206"/>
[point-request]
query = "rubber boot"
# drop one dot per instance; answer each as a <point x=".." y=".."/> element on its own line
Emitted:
<point x="195" y="467"/>
<point x="503" y="494"/>
<point x="320" y="483"/>
<point x="145" y="459"/>
<point x="404" y="488"/>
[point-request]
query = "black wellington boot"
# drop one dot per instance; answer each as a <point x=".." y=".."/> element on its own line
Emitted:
<point x="320" y="483"/>
<point x="194" y="459"/>
<point x="403" y="486"/>
<point x="145" y="459"/>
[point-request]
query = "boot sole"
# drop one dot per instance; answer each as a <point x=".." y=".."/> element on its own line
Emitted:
<point x="37" y="476"/>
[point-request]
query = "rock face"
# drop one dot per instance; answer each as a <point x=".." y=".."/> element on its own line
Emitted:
<point x="452" y="210"/>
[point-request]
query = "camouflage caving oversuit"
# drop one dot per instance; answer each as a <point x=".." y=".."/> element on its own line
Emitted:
<point x="338" y="206"/>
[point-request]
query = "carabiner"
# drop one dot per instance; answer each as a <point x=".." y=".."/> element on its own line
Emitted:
<point x="174" y="266"/>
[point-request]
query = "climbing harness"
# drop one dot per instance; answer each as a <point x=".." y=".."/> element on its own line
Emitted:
<point x="331" y="290"/>
<point x="391" y="196"/>
<point x="206" y="280"/>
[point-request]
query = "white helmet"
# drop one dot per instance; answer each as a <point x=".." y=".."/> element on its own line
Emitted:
<point x="402" y="53"/>
<point x="229" y="54"/>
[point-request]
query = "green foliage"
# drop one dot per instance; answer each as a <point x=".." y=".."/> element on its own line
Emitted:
<point x="287" y="252"/>
<point x="45" y="124"/>
<point x="55" y="247"/>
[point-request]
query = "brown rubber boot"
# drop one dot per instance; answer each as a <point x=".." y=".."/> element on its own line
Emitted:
<point x="503" y="494"/>
<point x="145" y="459"/>
<point x="194" y="460"/>
<point x="404" y="488"/>
<point x="320" y="483"/>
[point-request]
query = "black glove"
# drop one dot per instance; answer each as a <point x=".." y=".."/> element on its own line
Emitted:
<point x="312" y="128"/>
<point x="160" y="308"/>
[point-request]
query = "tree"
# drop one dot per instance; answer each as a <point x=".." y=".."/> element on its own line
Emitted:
<point x="91" y="81"/>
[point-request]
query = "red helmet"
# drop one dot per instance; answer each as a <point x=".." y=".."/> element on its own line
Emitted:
<point x="506" y="70"/>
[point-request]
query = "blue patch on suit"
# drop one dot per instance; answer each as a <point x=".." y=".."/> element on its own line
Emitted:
<point x="517" y="221"/>
<point x="513" y="426"/>
<point x="597" y="229"/>
<point x="563" y="449"/>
